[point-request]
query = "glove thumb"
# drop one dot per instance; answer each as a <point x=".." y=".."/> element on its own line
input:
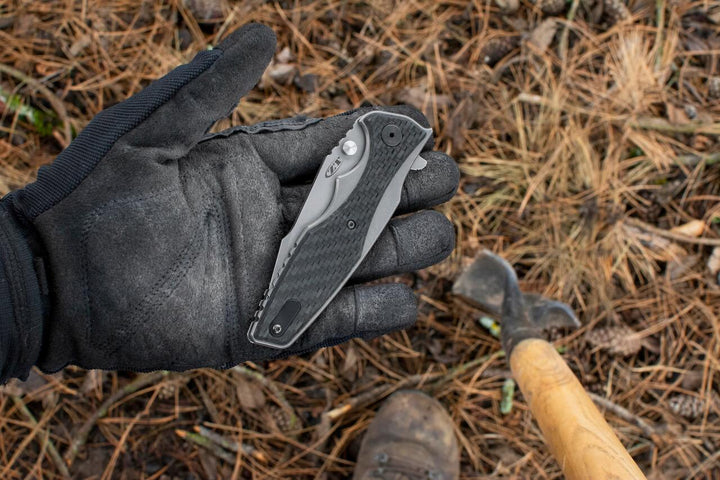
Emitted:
<point x="167" y="118"/>
<point x="209" y="89"/>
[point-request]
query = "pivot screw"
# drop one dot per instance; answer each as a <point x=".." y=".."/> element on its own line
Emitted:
<point x="391" y="135"/>
<point x="277" y="329"/>
<point x="350" y="147"/>
<point x="351" y="224"/>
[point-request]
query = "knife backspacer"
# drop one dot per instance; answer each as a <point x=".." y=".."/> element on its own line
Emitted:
<point x="331" y="248"/>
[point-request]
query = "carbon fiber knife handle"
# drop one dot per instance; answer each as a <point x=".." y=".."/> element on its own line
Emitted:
<point x="328" y="253"/>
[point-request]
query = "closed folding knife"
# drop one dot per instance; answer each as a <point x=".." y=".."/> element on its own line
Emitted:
<point x="354" y="195"/>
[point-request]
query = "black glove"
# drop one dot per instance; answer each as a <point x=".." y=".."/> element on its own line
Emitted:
<point x="148" y="243"/>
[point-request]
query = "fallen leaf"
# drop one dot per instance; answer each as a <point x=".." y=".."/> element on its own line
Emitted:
<point x="92" y="382"/>
<point x="30" y="386"/>
<point x="415" y="96"/>
<point x="95" y="460"/>
<point x="350" y="364"/>
<point x="692" y="380"/>
<point x="209" y="463"/>
<point x="693" y="228"/>
<point x="308" y="83"/>
<point x="551" y="7"/>
<point x="665" y="249"/>
<point x="679" y="266"/>
<point x="424" y="100"/>
<point x="508" y="6"/>
<point x="676" y="115"/>
<point x="543" y="34"/>
<point x="285" y="56"/>
<point x="461" y="119"/>
<point x="249" y="394"/>
<point x="506" y="455"/>
<point x="79" y="45"/>
<point x="282" y="73"/>
<point x="207" y="11"/>
<point x="713" y="262"/>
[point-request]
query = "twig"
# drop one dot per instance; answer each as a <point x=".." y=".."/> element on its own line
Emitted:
<point x="52" y="451"/>
<point x="678" y="237"/>
<point x="461" y="369"/>
<point x="382" y="391"/>
<point x="231" y="445"/>
<point x="662" y="125"/>
<point x="708" y="159"/>
<point x="566" y="30"/>
<point x="660" y="22"/>
<point x="82" y="434"/>
<point x="214" y="448"/>
<point x="270" y="384"/>
<point x="55" y="102"/>
<point x="371" y="396"/>
<point x="623" y="413"/>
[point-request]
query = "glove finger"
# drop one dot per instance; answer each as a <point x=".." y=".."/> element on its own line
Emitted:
<point x="295" y="149"/>
<point x="209" y="89"/>
<point x="426" y="188"/>
<point x="408" y="244"/>
<point x="431" y="186"/>
<point x="365" y="311"/>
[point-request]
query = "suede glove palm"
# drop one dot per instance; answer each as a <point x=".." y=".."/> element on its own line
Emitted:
<point x="148" y="243"/>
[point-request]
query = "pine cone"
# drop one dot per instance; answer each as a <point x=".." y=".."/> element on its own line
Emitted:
<point x="167" y="391"/>
<point x="621" y="340"/>
<point x="280" y="417"/>
<point x="596" y="388"/>
<point x="496" y="48"/>
<point x="688" y="406"/>
<point x="616" y="10"/>
<point x="171" y="386"/>
<point x="551" y="7"/>
<point x="691" y="406"/>
<point x="714" y="87"/>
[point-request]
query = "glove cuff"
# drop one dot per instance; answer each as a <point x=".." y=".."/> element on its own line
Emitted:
<point x="21" y="302"/>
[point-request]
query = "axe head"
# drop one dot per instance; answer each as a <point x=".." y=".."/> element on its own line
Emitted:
<point x="491" y="284"/>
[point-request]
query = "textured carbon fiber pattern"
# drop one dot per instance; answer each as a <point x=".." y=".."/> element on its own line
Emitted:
<point x="328" y="254"/>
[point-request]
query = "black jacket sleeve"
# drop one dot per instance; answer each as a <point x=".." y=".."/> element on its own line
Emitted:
<point x="21" y="301"/>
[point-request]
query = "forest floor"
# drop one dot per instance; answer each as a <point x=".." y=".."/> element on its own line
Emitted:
<point x="588" y="136"/>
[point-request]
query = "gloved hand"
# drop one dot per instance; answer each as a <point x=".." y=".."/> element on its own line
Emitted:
<point x="148" y="243"/>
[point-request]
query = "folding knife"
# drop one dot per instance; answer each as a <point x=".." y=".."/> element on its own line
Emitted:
<point x="355" y="193"/>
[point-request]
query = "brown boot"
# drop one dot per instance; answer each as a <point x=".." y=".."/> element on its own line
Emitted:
<point x="411" y="438"/>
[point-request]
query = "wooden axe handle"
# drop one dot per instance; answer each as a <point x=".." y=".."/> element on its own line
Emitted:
<point x="577" y="434"/>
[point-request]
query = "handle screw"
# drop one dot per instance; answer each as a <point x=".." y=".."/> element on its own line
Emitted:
<point x="351" y="224"/>
<point x="277" y="329"/>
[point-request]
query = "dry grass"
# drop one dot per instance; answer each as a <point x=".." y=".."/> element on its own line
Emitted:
<point x="580" y="151"/>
